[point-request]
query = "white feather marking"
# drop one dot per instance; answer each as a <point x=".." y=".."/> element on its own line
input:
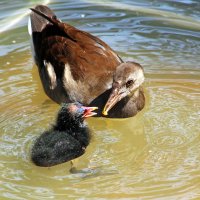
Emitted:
<point x="29" y="26"/>
<point x="30" y="33"/>
<point x="73" y="88"/>
<point x="51" y="75"/>
<point x="68" y="78"/>
<point x="100" y="46"/>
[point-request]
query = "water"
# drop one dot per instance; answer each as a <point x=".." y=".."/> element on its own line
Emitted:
<point x="154" y="155"/>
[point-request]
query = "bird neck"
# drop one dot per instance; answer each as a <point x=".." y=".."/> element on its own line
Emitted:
<point x="129" y="106"/>
<point x="67" y="121"/>
<point x="138" y="100"/>
<point x="74" y="126"/>
<point x="136" y="93"/>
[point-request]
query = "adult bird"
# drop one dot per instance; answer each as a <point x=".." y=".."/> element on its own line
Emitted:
<point x="66" y="140"/>
<point x="77" y="66"/>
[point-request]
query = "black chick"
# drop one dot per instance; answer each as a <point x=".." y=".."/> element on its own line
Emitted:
<point x="66" y="140"/>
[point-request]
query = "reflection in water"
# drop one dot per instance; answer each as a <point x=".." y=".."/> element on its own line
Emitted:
<point x="154" y="155"/>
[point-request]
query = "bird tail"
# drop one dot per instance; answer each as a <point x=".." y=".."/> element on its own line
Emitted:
<point x="40" y="17"/>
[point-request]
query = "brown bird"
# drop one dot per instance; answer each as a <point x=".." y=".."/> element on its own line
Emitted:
<point x="77" y="66"/>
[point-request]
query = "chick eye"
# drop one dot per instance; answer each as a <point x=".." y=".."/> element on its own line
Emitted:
<point x="129" y="83"/>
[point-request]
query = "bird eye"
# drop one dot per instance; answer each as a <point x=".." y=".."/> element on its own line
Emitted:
<point x="129" y="83"/>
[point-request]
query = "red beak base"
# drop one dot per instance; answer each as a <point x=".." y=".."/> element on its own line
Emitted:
<point x="88" y="111"/>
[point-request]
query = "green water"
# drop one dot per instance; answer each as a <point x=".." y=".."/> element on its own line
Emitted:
<point x="154" y="155"/>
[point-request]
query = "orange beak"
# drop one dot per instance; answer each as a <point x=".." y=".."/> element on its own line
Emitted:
<point x="88" y="111"/>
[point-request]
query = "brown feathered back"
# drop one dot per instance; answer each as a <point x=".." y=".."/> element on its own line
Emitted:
<point x="91" y="60"/>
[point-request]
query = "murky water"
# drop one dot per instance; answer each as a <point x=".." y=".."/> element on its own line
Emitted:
<point x="155" y="155"/>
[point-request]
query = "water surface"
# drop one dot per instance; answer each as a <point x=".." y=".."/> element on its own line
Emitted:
<point x="154" y="155"/>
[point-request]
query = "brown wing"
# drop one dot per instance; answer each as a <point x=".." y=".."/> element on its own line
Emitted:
<point x="89" y="57"/>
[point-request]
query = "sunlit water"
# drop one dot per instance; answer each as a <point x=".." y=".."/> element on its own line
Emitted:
<point x="155" y="155"/>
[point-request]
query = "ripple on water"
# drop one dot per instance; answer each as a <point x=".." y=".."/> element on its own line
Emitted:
<point x="154" y="155"/>
<point x="169" y="140"/>
<point x="171" y="128"/>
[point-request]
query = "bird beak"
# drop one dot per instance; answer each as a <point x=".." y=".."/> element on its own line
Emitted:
<point x="116" y="95"/>
<point x="88" y="111"/>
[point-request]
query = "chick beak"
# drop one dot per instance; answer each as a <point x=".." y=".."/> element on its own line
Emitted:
<point x="88" y="111"/>
<point x="115" y="96"/>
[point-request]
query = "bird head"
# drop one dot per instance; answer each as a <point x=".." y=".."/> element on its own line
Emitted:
<point x="78" y="110"/>
<point x="72" y="115"/>
<point x="126" y="80"/>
